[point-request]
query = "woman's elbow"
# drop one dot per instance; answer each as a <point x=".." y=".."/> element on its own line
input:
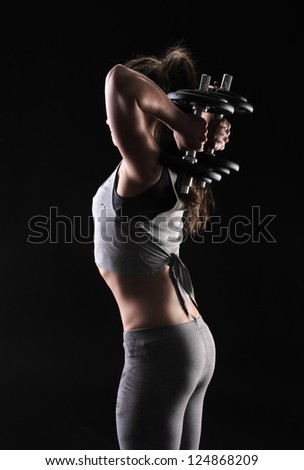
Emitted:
<point x="116" y="76"/>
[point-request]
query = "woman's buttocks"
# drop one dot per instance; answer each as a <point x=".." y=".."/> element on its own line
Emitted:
<point x="148" y="301"/>
<point x="187" y="350"/>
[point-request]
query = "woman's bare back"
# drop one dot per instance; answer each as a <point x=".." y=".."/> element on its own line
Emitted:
<point x="148" y="301"/>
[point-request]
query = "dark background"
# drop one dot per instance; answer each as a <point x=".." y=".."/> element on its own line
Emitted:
<point x="60" y="332"/>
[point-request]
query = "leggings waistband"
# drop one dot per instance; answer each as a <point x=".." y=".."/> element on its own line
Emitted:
<point x="162" y="331"/>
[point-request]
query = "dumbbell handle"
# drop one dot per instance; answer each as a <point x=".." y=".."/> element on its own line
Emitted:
<point x="225" y="86"/>
<point x="191" y="154"/>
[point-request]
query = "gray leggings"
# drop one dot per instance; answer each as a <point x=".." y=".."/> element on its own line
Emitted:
<point x="164" y="380"/>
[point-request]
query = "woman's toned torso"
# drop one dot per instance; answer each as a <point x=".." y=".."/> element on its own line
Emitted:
<point x="146" y="301"/>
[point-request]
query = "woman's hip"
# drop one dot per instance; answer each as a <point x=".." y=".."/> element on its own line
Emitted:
<point x="180" y="349"/>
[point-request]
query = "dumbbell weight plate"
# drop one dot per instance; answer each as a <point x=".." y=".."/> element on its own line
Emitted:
<point x="185" y="167"/>
<point x="196" y="98"/>
<point x="240" y="103"/>
<point x="204" y="159"/>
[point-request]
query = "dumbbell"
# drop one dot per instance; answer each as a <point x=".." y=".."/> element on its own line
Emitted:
<point x="219" y="101"/>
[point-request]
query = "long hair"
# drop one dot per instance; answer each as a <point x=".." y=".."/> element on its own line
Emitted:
<point x="173" y="70"/>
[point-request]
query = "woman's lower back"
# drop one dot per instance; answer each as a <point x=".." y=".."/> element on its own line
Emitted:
<point x="148" y="301"/>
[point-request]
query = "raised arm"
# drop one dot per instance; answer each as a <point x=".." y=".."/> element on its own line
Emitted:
<point x="132" y="101"/>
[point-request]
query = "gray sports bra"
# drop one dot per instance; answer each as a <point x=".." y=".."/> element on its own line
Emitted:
<point x="140" y="245"/>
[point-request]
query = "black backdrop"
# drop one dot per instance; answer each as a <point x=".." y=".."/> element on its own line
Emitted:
<point x="60" y="332"/>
